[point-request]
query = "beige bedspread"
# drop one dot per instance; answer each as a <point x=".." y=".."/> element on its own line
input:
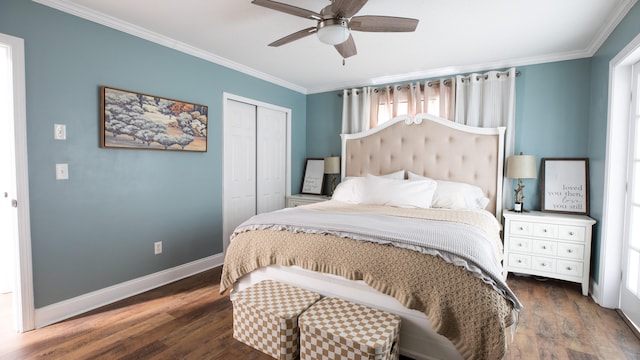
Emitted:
<point x="460" y="306"/>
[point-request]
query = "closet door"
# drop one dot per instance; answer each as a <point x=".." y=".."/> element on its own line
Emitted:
<point x="239" y="189"/>
<point x="271" y="166"/>
<point x="255" y="160"/>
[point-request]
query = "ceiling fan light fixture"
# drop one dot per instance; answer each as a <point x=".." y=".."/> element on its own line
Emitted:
<point x="333" y="31"/>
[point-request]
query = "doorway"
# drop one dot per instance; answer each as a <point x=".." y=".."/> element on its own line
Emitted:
<point x="630" y="289"/>
<point x="15" y="235"/>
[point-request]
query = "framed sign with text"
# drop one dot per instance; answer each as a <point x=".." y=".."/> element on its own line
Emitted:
<point x="565" y="185"/>
<point x="313" y="177"/>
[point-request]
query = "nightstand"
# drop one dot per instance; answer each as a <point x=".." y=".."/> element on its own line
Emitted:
<point x="304" y="199"/>
<point x="548" y="244"/>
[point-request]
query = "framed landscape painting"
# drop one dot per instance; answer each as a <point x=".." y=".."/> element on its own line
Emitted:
<point x="133" y="120"/>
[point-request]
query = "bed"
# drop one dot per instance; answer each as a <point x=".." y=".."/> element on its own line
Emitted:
<point x="369" y="243"/>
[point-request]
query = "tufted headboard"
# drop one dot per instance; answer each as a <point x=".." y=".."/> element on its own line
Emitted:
<point x="430" y="146"/>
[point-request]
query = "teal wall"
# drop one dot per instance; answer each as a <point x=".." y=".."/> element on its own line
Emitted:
<point x="626" y="31"/>
<point x="324" y="124"/>
<point x="97" y="229"/>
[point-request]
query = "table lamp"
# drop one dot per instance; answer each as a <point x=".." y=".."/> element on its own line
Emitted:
<point x="331" y="173"/>
<point x="520" y="167"/>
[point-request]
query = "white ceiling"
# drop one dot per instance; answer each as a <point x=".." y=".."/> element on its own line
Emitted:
<point x="453" y="36"/>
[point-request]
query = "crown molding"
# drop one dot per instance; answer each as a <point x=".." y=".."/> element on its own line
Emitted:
<point x="610" y="25"/>
<point x="131" y="29"/>
<point x="455" y="70"/>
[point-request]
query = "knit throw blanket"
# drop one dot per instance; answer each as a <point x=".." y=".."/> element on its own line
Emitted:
<point x="465" y="302"/>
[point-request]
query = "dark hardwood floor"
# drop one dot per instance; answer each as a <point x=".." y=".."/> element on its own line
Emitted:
<point x="188" y="319"/>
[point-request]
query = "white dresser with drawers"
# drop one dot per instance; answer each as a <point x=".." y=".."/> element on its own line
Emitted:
<point x="548" y="244"/>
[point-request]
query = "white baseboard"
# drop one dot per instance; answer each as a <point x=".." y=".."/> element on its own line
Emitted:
<point x="68" y="308"/>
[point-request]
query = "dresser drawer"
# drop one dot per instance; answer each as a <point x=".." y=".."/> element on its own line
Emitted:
<point x="545" y="230"/>
<point x="519" y="261"/>
<point x="543" y="264"/>
<point x="544" y="247"/>
<point x="571" y="251"/>
<point x="520" y="244"/>
<point x="570" y="268"/>
<point x="521" y="228"/>
<point x="574" y="233"/>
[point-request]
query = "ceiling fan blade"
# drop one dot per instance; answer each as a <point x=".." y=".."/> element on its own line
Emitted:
<point x="289" y="9"/>
<point x="374" y="23"/>
<point x="295" y="36"/>
<point x="347" y="48"/>
<point x="347" y="8"/>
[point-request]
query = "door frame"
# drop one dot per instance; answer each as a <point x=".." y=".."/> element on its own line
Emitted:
<point x="228" y="96"/>
<point x="607" y="290"/>
<point x="23" y="303"/>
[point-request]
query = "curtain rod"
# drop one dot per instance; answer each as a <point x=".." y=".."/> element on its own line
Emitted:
<point x="445" y="81"/>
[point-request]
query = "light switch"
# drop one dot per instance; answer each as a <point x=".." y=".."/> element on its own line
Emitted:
<point x="59" y="131"/>
<point x="62" y="171"/>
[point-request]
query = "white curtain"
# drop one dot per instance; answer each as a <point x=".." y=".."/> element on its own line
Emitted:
<point x="356" y="110"/>
<point x="488" y="100"/>
<point x="439" y="98"/>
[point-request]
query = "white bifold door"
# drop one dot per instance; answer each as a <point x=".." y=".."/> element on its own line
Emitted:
<point x="255" y="162"/>
<point x="630" y="289"/>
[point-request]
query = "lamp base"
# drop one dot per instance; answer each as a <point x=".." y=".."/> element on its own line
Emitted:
<point x="519" y="207"/>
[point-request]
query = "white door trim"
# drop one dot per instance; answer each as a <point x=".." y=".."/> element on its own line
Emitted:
<point x="607" y="290"/>
<point x="23" y="291"/>
<point x="228" y="96"/>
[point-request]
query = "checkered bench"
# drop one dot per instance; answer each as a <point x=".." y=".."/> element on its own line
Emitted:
<point x="334" y="328"/>
<point x="265" y="317"/>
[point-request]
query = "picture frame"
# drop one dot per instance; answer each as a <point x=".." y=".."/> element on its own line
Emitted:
<point x="132" y="120"/>
<point x="565" y="185"/>
<point x="313" y="178"/>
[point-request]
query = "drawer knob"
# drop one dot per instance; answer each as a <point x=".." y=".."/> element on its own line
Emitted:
<point x="519" y="261"/>
<point x="544" y="247"/>
<point x="569" y="251"/>
<point x="543" y="264"/>
<point x="521" y="228"/>
<point x="544" y="230"/>
<point x="569" y="268"/>
<point x="519" y="244"/>
<point x="571" y="233"/>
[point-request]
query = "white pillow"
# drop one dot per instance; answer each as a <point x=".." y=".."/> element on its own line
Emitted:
<point x="398" y="175"/>
<point x="351" y="188"/>
<point x="399" y="193"/>
<point x="455" y="195"/>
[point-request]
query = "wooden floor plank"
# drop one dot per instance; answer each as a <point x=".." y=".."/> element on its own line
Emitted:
<point x="189" y="319"/>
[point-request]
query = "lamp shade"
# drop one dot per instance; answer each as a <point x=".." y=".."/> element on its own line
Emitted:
<point x="332" y="165"/>
<point x="333" y="31"/>
<point x="521" y="167"/>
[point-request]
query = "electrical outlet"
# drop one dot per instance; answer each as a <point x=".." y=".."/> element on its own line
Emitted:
<point x="62" y="171"/>
<point x="157" y="247"/>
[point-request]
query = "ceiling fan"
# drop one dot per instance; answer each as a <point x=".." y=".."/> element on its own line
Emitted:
<point x="336" y="21"/>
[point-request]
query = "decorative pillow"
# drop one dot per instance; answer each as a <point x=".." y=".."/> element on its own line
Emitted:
<point x="399" y="193"/>
<point x="455" y="195"/>
<point x="351" y="188"/>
